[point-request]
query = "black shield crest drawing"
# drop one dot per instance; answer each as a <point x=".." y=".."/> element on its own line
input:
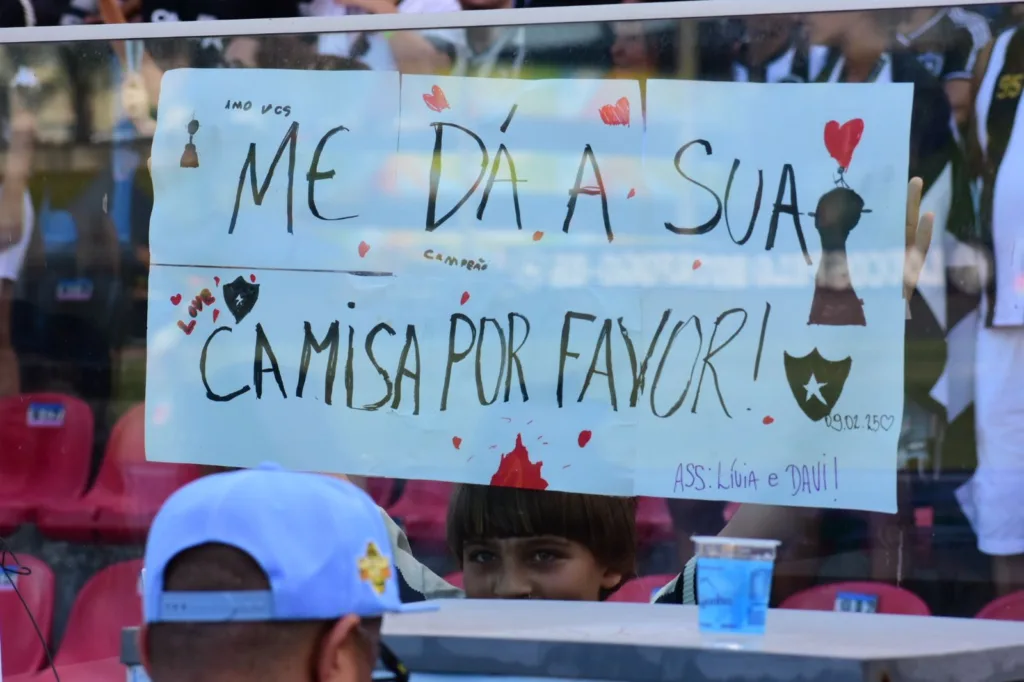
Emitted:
<point x="816" y="382"/>
<point x="240" y="297"/>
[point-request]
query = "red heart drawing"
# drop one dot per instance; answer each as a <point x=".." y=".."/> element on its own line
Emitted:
<point x="252" y="278"/>
<point x="465" y="297"/>
<point x="584" y="438"/>
<point x="841" y="140"/>
<point x="364" y="248"/>
<point x="216" y="280"/>
<point x="632" y="193"/>
<point x="216" y="314"/>
<point x="767" y="420"/>
<point x="187" y="328"/>
<point x="697" y="264"/>
<point x="436" y="101"/>
<point x="616" y="114"/>
<point x="176" y="299"/>
<point x="457" y="442"/>
<point x="538" y="235"/>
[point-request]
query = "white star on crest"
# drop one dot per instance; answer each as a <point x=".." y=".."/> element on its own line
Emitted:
<point x="813" y="388"/>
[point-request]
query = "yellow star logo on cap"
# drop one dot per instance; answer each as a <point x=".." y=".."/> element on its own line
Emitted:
<point x="375" y="568"/>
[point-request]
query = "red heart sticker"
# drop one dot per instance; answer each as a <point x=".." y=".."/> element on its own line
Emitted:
<point x="176" y="299"/>
<point x="616" y="114"/>
<point x="364" y="248"/>
<point x="842" y="140"/>
<point x="187" y="328"/>
<point x="465" y="297"/>
<point x="435" y="100"/>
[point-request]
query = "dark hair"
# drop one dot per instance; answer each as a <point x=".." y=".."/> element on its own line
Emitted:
<point x="604" y="525"/>
<point x="263" y="651"/>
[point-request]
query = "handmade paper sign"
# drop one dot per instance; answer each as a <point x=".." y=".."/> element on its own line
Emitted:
<point x="769" y="371"/>
<point x="271" y="168"/>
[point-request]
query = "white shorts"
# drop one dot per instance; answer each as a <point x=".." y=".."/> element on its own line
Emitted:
<point x="11" y="259"/>
<point x="993" y="499"/>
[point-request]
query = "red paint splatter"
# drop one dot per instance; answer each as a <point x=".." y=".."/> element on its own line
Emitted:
<point x="216" y="281"/>
<point x="465" y="297"/>
<point x="216" y="314"/>
<point x="697" y="264"/>
<point x="538" y="235"/>
<point x="435" y="99"/>
<point x="842" y="140"/>
<point x="590" y="190"/>
<point x="616" y="114"/>
<point x="584" y="438"/>
<point x="252" y="278"/>
<point x="176" y="299"/>
<point x="187" y="328"/>
<point x="632" y="193"/>
<point x="457" y="442"/>
<point x="364" y="248"/>
<point x="768" y="420"/>
<point x="517" y="471"/>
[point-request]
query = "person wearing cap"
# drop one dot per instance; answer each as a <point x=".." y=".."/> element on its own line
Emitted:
<point x="268" y="574"/>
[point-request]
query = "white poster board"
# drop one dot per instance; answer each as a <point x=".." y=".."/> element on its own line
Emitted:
<point x="681" y="357"/>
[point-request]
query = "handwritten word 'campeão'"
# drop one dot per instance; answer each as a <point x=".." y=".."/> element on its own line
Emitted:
<point x="798" y="479"/>
<point x="488" y="352"/>
<point x="453" y="261"/>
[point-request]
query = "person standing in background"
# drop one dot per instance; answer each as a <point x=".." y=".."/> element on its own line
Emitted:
<point x="991" y="498"/>
<point x="775" y="50"/>
<point x="17" y="217"/>
<point x="947" y="42"/>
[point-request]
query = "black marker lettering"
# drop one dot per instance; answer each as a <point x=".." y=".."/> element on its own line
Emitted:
<point x="383" y="326"/>
<point x="289" y="140"/>
<point x="712" y="351"/>
<point x="453" y="355"/>
<point x="564" y="351"/>
<point x="263" y="345"/>
<point x="787" y="180"/>
<point x="310" y="344"/>
<point x="315" y="174"/>
<point x="216" y="397"/>
<point x="435" y="174"/>
<point x="709" y="225"/>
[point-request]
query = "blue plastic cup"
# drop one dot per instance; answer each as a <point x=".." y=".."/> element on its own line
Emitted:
<point x="734" y="582"/>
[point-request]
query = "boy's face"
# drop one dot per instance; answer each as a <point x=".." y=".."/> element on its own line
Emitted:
<point x="542" y="567"/>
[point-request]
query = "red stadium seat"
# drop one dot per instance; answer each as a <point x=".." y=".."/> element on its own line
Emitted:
<point x="653" y="523"/>
<point x="108" y="669"/>
<point x="641" y="590"/>
<point x="127" y="494"/>
<point x="382" y="490"/>
<point x="45" y="451"/>
<point x="454" y="579"/>
<point x="422" y="510"/>
<point x="107" y="603"/>
<point x="22" y="650"/>
<point x="891" y="599"/>
<point x="1007" y="607"/>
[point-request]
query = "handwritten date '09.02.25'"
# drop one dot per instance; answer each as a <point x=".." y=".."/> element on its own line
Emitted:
<point x="859" y="422"/>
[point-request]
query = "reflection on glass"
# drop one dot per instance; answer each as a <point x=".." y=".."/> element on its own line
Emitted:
<point x="77" y="198"/>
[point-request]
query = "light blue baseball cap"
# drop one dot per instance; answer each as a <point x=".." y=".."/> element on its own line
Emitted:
<point x="320" y="540"/>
